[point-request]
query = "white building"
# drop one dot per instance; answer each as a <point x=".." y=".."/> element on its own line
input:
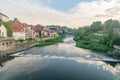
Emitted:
<point x="117" y="30"/>
<point x="53" y="31"/>
<point x="28" y="30"/>
<point x="3" y="31"/>
<point x="4" y="17"/>
<point x="19" y="35"/>
<point x="18" y="30"/>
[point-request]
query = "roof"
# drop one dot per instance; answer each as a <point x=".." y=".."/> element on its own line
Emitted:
<point x="38" y="28"/>
<point x="18" y="27"/>
<point x="1" y="24"/>
<point x="3" y="15"/>
<point x="25" y="25"/>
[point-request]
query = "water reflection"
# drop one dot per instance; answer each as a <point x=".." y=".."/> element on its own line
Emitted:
<point x="112" y="63"/>
<point x="38" y="68"/>
<point x="3" y="62"/>
<point x="61" y="61"/>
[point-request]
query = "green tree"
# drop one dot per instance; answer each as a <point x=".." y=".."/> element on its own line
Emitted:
<point x="8" y="26"/>
<point x="81" y="32"/>
<point x="96" y="26"/>
<point x="15" y="19"/>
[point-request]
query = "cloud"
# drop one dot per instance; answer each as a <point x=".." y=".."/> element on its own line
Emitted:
<point x="114" y="10"/>
<point x="36" y="12"/>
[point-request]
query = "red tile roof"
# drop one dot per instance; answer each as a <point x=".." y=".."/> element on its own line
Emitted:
<point x="18" y="27"/>
<point x="38" y="28"/>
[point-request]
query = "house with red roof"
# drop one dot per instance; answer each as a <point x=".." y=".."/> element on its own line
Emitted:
<point x="38" y="30"/>
<point x="28" y="30"/>
<point x="18" y="30"/>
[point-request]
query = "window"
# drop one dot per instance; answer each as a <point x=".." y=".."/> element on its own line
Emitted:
<point x="10" y="42"/>
<point x="3" y="44"/>
<point x="7" y="43"/>
<point x="3" y="34"/>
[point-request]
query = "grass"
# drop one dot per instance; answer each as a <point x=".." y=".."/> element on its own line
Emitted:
<point x="93" y="46"/>
<point x="49" y="42"/>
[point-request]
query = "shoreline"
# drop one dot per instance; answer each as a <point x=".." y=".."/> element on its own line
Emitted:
<point x="26" y="46"/>
<point x="109" y="53"/>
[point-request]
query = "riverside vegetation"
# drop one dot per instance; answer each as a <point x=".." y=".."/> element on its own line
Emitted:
<point x="99" y="37"/>
<point x="49" y="42"/>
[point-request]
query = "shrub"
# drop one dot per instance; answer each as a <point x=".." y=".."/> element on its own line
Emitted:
<point x="93" y="46"/>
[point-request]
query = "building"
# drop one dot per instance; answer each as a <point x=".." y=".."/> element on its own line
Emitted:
<point x="28" y="30"/>
<point x="3" y="31"/>
<point x="96" y="37"/>
<point x="45" y="32"/>
<point x="53" y="31"/>
<point x="117" y="48"/>
<point x="18" y="30"/>
<point x="3" y="17"/>
<point x="38" y="30"/>
<point x="117" y="30"/>
<point x="99" y="33"/>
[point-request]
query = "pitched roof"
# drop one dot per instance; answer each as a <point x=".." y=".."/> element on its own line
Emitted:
<point x="25" y="25"/>
<point x="18" y="27"/>
<point x="3" y="15"/>
<point x="38" y="28"/>
<point x="1" y="24"/>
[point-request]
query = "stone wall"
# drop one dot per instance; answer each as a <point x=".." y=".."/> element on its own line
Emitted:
<point x="6" y="43"/>
<point x="10" y="46"/>
<point x="16" y="47"/>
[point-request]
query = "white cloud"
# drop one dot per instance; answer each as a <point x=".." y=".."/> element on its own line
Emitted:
<point x="83" y="14"/>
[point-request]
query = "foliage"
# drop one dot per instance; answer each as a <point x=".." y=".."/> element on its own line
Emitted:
<point x="15" y="19"/>
<point x="9" y="29"/>
<point x="81" y="32"/>
<point x="116" y="41"/>
<point x="64" y="31"/>
<point x="93" y="46"/>
<point x="86" y="35"/>
<point x="20" y="40"/>
<point x="49" y="42"/>
<point x="96" y="26"/>
<point x="8" y="26"/>
<point x="29" y="39"/>
<point x="109" y="37"/>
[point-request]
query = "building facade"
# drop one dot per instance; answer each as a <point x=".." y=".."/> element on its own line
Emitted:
<point x="3" y="17"/>
<point x="18" y="30"/>
<point x="3" y="31"/>
<point x="28" y="30"/>
<point x="53" y="31"/>
<point x="117" y="31"/>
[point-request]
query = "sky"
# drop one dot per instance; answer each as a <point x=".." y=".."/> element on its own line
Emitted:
<point x="71" y="13"/>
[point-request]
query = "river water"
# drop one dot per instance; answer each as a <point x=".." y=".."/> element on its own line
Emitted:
<point x="62" y="61"/>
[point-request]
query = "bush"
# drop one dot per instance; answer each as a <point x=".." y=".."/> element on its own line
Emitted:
<point x="20" y="40"/>
<point x="93" y="46"/>
<point x="29" y="39"/>
<point x="49" y="42"/>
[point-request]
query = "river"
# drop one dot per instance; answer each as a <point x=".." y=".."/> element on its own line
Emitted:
<point x="62" y="61"/>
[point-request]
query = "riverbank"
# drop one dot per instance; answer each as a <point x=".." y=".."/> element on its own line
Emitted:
<point x="93" y="46"/>
<point x="24" y="45"/>
<point x="18" y="47"/>
<point x="49" y="42"/>
<point x="109" y="51"/>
